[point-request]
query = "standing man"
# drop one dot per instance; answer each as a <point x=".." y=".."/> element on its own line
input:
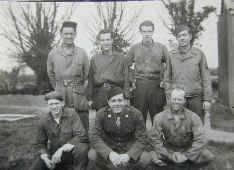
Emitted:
<point x="178" y="137"/>
<point x="118" y="135"/>
<point x="148" y="57"/>
<point x="67" y="68"/>
<point x="188" y="67"/>
<point x="107" y="70"/>
<point x="61" y="138"/>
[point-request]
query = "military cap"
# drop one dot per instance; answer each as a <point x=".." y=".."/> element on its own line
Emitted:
<point x="181" y="28"/>
<point x="69" y="24"/>
<point x="113" y="92"/>
<point x="54" y="95"/>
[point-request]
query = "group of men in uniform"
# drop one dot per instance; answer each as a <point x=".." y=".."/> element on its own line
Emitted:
<point x="118" y="139"/>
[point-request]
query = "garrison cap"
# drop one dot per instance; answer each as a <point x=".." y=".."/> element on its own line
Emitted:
<point x="113" y="92"/>
<point x="54" y="95"/>
<point x="69" y="24"/>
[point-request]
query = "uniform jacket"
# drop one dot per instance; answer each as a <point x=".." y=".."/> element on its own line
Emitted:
<point x="51" y="136"/>
<point x="72" y="66"/>
<point x="106" y="68"/>
<point x="191" y="71"/>
<point x="187" y="137"/>
<point x="129" y="138"/>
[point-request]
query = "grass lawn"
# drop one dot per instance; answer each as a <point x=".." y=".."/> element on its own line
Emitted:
<point x="16" y="138"/>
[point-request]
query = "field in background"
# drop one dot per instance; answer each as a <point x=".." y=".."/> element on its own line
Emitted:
<point x="16" y="138"/>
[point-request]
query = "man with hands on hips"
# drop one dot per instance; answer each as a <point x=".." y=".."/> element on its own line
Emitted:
<point x="118" y="136"/>
<point x="61" y="138"/>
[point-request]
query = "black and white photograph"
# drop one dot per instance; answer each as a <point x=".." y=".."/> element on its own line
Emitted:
<point x="117" y="85"/>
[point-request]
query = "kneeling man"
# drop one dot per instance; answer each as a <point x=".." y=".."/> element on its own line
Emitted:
<point x="118" y="134"/>
<point x="61" y="138"/>
<point x="178" y="138"/>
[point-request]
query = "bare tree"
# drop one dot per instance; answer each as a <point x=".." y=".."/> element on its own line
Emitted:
<point x="35" y="27"/>
<point x="183" y="12"/>
<point x="111" y="15"/>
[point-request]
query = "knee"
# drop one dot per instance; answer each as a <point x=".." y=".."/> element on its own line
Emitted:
<point x="92" y="155"/>
<point x="80" y="151"/>
<point x="206" y="156"/>
<point x="145" y="159"/>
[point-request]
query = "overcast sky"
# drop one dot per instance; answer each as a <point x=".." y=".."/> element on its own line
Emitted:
<point x="152" y="10"/>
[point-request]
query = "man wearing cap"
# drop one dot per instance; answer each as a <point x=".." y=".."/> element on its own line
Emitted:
<point x="177" y="137"/>
<point x="148" y="58"/>
<point x="188" y="67"/>
<point x="107" y="70"/>
<point x="118" y="134"/>
<point x="61" y="138"/>
<point x="67" y="68"/>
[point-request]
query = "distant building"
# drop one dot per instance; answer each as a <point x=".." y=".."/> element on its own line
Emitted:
<point x="226" y="53"/>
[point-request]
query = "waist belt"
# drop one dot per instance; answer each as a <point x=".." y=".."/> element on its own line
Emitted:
<point x="71" y="83"/>
<point x="148" y="76"/>
<point x="108" y="85"/>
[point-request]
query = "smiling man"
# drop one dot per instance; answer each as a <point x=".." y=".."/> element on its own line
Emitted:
<point x="118" y="135"/>
<point x="178" y="137"/>
<point x="61" y="138"/>
<point x="188" y="67"/>
<point x="107" y="70"/>
<point x="148" y="57"/>
<point x="67" y="68"/>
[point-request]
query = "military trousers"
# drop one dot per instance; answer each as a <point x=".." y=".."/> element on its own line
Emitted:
<point x="75" y="160"/>
<point x="195" y="104"/>
<point x="149" y="97"/>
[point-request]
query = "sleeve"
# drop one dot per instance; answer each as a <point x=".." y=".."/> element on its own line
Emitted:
<point x="78" y="132"/>
<point x="126" y="79"/>
<point x="86" y="66"/>
<point x="155" y="138"/>
<point x="41" y="138"/>
<point x="140" y="134"/>
<point x="205" y="78"/>
<point x="90" y="86"/>
<point x="96" y="137"/>
<point x="128" y="62"/>
<point x="167" y="75"/>
<point x="199" y="140"/>
<point x="50" y="70"/>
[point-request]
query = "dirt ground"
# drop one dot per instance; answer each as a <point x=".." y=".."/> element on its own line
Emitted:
<point x="16" y="138"/>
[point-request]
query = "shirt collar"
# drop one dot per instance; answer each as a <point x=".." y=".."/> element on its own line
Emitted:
<point x="151" y="44"/>
<point x="181" y="115"/>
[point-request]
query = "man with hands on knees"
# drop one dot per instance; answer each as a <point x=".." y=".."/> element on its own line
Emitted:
<point x="117" y="136"/>
<point x="177" y="137"/>
<point x="61" y="138"/>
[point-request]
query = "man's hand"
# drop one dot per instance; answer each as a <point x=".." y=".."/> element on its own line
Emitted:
<point x="56" y="158"/>
<point x="124" y="158"/>
<point x="206" y="106"/>
<point x="157" y="160"/>
<point x="90" y="102"/>
<point x="178" y="157"/>
<point x="48" y="162"/>
<point x="114" y="158"/>
<point x="67" y="147"/>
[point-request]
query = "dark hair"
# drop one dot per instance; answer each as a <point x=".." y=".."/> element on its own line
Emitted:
<point x="181" y="28"/>
<point x="104" y="31"/>
<point x="146" y="23"/>
<point x="69" y="24"/>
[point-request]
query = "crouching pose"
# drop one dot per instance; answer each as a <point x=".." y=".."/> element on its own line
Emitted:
<point x="177" y="138"/>
<point x="118" y="135"/>
<point x="61" y="138"/>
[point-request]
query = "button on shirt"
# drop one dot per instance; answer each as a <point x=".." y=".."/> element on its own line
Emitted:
<point x="68" y="130"/>
<point x="190" y="70"/>
<point x="184" y="135"/>
<point x="127" y="135"/>
<point x="148" y="59"/>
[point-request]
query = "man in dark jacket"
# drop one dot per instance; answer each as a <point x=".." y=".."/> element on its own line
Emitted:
<point x="61" y="138"/>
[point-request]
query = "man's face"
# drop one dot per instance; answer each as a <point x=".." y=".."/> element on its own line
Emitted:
<point x="68" y="35"/>
<point x="177" y="100"/>
<point x="106" y="41"/>
<point x="184" y="38"/>
<point x="55" y="107"/>
<point x="117" y="103"/>
<point x="147" y="33"/>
